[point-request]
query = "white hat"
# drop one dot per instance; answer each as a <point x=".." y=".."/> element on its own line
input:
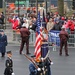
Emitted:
<point x="23" y="25"/>
<point x="63" y="27"/>
<point x="24" y="18"/>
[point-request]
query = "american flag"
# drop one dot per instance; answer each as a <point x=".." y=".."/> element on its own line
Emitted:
<point x="38" y="38"/>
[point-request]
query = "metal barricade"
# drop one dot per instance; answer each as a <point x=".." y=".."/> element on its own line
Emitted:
<point x="14" y="36"/>
<point x="53" y="40"/>
<point x="71" y="41"/>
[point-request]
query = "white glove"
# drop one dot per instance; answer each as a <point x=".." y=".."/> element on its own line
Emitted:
<point x="43" y="68"/>
<point x="13" y="73"/>
<point x="39" y="69"/>
<point x="52" y="63"/>
<point x="42" y="59"/>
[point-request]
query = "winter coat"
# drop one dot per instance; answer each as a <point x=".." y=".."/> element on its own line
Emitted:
<point x="50" y="26"/>
<point x="32" y="69"/>
<point x="3" y="43"/>
<point x="57" y="26"/>
<point x="63" y="35"/>
<point x="69" y="25"/>
<point x="15" y="23"/>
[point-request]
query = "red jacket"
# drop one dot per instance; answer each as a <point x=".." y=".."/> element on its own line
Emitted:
<point x="71" y="25"/>
<point x="14" y="23"/>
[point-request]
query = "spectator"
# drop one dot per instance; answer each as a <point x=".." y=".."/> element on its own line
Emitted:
<point x="57" y="25"/>
<point x="26" y="23"/>
<point x="50" y="24"/>
<point x="2" y="15"/>
<point x="15" y="24"/>
<point x="1" y="22"/>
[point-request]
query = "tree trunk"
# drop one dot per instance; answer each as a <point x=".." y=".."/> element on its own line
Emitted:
<point x="61" y="7"/>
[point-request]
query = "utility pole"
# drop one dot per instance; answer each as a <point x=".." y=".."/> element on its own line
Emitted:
<point x="18" y="9"/>
<point x="4" y="11"/>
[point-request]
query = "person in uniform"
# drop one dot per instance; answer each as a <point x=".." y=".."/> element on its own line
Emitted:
<point x="47" y="64"/>
<point x="44" y="43"/>
<point x="3" y="43"/>
<point x="63" y="41"/>
<point x="8" y="64"/>
<point x="24" y="39"/>
<point x="32" y="68"/>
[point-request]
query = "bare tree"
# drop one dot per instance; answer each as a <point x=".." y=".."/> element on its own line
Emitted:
<point x="61" y="7"/>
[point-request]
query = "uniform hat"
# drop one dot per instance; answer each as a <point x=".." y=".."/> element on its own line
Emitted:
<point x="63" y="27"/>
<point x="23" y="25"/>
<point x="9" y="52"/>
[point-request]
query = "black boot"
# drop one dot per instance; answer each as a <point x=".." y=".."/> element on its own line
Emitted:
<point x="3" y="54"/>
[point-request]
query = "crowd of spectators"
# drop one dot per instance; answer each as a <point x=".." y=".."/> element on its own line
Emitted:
<point x="53" y="22"/>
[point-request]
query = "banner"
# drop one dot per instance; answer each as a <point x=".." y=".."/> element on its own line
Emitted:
<point x="54" y="37"/>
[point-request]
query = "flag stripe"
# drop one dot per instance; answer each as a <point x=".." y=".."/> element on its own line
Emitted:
<point x="37" y="51"/>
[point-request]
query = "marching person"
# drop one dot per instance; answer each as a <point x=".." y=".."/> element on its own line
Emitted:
<point x="63" y="41"/>
<point x="32" y="68"/>
<point x="47" y="63"/>
<point x="24" y="39"/>
<point x="3" y="43"/>
<point x="44" y="43"/>
<point x="9" y="64"/>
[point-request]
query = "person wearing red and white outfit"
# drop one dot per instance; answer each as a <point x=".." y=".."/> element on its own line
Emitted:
<point x="15" y="23"/>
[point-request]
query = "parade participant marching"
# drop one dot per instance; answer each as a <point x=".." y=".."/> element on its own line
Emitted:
<point x="33" y="69"/>
<point x="44" y="43"/>
<point x="9" y="64"/>
<point x="3" y="43"/>
<point x="45" y="60"/>
<point x="34" y="65"/>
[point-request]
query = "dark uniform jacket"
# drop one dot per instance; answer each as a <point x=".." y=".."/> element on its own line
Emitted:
<point x="9" y="65"/>
<point x="3" y="43"/>
<point x="24" y="33"/>
<point x="63" y="35"/>
<point x="32" y="69"/>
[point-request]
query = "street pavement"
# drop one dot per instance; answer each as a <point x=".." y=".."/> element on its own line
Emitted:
<point x="63" y="65"/>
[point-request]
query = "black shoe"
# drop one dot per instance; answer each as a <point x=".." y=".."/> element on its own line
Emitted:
<point x="60" y="54"/>
<point x="3" y="55"/>
<point x="20" y="52"/>
<point x="28" y="53"/>
<point x="67" y="54"/>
